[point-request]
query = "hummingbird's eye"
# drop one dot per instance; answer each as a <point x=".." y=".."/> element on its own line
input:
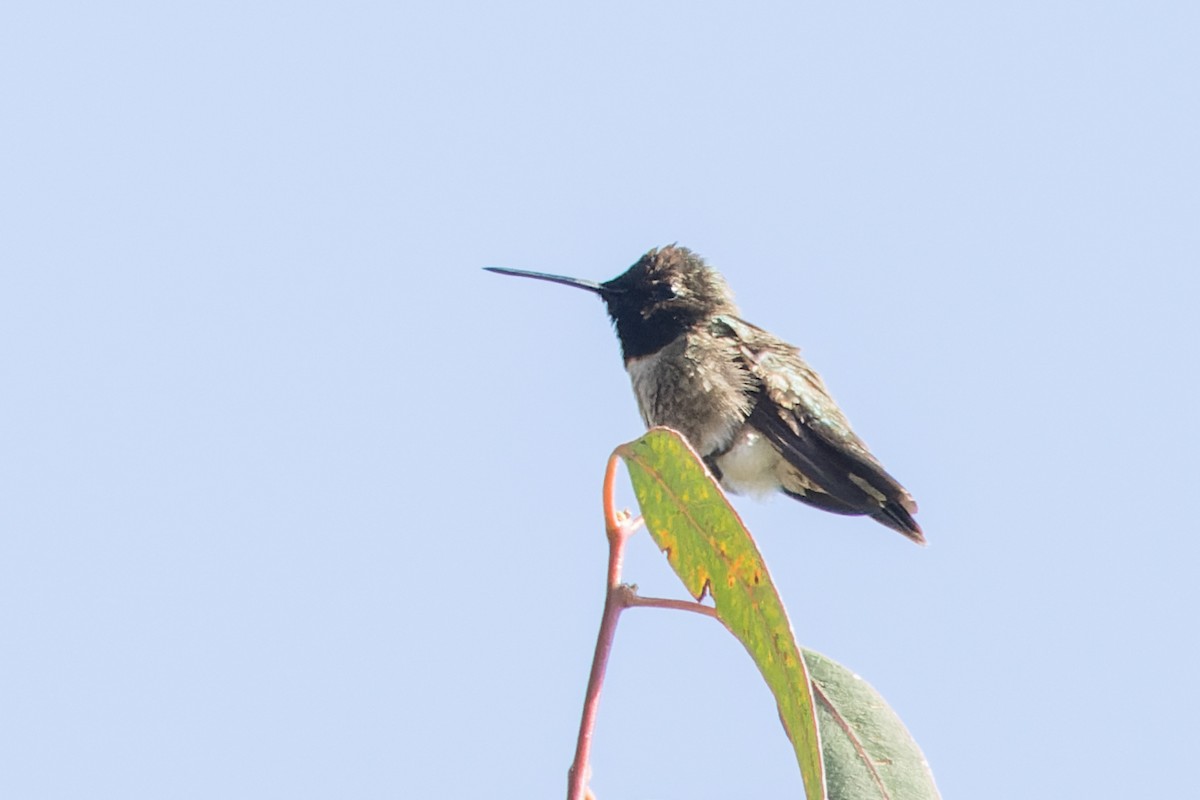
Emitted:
<point x="663" y="292"/>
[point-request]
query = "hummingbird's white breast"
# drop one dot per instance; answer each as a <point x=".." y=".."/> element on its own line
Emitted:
<point x="752" y="465"/>
<point x="663" y="383"/>
<point x="672" y="390"/>
<point x="707" y="399"/>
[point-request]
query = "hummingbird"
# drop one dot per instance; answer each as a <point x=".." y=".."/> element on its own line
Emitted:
<point x="745" y="400"/>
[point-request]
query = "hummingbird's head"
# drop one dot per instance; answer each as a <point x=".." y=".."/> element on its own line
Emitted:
<point x="667" y="291"/>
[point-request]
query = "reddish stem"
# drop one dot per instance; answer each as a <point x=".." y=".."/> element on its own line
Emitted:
<point x="618" y="527"/>
<point x="636" y="601"/>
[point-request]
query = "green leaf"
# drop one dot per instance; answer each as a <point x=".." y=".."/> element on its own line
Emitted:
<point x="869" y="755"/>
<point x="711" y="551"/>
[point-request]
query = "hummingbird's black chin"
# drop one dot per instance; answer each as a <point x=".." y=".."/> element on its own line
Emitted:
<point x="578" y="283"/>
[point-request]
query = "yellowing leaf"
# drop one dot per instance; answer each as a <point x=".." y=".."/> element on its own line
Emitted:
<point x="710" y="550"/>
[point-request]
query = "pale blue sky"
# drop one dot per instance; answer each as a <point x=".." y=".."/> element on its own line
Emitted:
<point x="296" y="501"/>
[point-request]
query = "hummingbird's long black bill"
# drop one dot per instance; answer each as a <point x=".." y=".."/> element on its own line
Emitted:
<point x="578" y="283"/>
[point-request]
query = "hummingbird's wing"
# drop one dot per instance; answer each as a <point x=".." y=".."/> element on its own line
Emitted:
<point x="794" y="411"/>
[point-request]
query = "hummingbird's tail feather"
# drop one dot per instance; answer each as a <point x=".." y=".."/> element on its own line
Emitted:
<point x="893" y="515"/>
<point x="818" y="499"/>
<point x="839" y="478"/>
<point x="897" y="517"/>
